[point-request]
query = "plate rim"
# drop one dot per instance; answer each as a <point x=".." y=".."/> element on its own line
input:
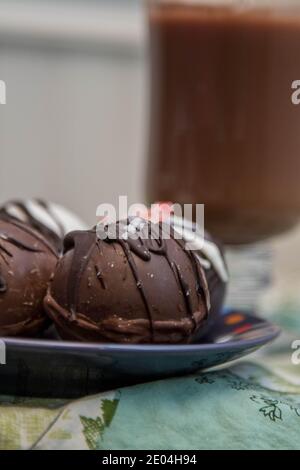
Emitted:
<point x="73" y="346"/>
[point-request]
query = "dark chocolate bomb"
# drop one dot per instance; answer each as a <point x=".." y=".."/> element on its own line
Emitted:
<point x="128" y="290"/>
<point x="27" y="262"/>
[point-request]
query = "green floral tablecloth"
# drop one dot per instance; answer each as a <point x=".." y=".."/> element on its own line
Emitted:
<point x="253" y="404"/>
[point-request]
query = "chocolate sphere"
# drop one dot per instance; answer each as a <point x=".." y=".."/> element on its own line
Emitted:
<point x="51" y="220"/>
<point x="27" y="262"/>
<point x="128" y="290"/>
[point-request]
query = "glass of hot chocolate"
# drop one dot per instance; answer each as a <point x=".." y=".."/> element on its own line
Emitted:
<point x="225" y="124"/>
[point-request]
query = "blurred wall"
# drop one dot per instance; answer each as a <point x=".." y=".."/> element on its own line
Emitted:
<point x="74" y="126"/>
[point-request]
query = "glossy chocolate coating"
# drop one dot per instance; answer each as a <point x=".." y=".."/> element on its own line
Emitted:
<point x="27" y="262"/>
<point x="128" y="290"/>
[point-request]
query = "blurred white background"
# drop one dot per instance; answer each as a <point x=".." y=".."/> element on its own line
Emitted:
<point x="75" y="123"/>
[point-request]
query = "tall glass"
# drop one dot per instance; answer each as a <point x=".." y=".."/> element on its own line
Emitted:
<point x="225" y="125"/>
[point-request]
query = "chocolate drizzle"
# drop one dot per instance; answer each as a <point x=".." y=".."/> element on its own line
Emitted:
<point x="28" y="217"/>
<point x="18" y="243"/>
<point x="33" y="233"/>
<point x="51" y="213"/>
<point x="135" y="248"/>
<point x="81" y="255"/>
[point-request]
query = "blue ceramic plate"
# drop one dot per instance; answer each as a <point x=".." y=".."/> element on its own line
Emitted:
<point x="53" y="368"/>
